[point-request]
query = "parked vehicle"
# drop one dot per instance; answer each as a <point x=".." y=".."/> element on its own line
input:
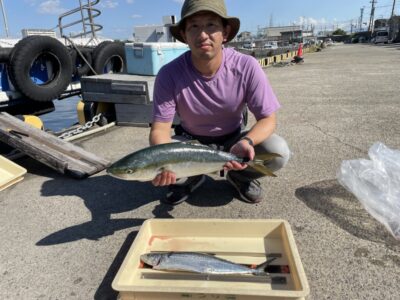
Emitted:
<point x="381" y="37"/>
<point x="271" y="45"/>
<point x="328" y="42"/>
<point x="249" y="45"/>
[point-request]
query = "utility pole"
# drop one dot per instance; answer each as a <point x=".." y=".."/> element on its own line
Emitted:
<point x="391" y="24"/>
<point x="394" y="4"/>
<point x="371" y="18"/>
<point x="361" y="19"/>
<point x="4" y="17"/>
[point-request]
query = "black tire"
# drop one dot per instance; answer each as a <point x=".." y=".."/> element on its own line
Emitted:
<point x="79" y="66"/>
<point x="98" y="49"/>
<point x="100" y="46"/>
<point x="5" y="55"/>
<point x="32" y="52"/>
<point x="109" y="57"/>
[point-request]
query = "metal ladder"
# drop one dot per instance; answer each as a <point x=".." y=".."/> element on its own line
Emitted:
<point x="87" y="14"/>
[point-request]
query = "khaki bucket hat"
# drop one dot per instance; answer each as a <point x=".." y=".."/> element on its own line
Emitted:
<point x="190" y="7"/>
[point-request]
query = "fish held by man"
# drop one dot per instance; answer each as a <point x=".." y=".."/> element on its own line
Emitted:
<point x="184" y="159"/>
<point x="201" y="263"/>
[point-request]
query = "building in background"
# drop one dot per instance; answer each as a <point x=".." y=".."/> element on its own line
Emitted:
<point x="244" y="36"/>
<point x="286" y="34"/>
<point x="154" y="33"/>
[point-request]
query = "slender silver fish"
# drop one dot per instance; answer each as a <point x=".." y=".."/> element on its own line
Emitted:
<point x="199" y="263"/>
<point x="184" y="159"/>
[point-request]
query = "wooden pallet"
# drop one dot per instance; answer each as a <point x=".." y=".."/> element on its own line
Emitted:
<point x="50" y="150"/>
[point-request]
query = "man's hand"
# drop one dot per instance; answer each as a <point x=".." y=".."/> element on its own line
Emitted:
<point x="160" y="133"/>
<point x="241" y="149"/>
<point x="164" y="178"/>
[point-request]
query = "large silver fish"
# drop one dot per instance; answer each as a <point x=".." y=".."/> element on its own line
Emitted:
<point x="199" y="263"/>
<point x="184" y="159"/>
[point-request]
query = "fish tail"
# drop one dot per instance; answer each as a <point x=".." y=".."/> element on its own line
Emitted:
<point x="261" y="268"/>
<point x="259" y="163"/>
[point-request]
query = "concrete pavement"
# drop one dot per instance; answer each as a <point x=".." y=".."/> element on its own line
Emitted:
<point x="65" y="239"/>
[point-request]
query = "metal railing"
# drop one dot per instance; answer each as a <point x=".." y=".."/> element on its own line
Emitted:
<point x="4" y="17"/>
<point x="87" y="13"/>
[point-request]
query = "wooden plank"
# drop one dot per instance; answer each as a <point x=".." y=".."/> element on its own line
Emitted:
<point x="22" y="129"/>
<point x="58" y="154"/>
<point x="47" y="155"/>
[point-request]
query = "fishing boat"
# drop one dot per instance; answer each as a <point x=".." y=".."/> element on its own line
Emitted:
<point x="43" y="66"/>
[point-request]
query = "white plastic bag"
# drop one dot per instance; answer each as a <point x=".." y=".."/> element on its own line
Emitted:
<point x="376" y="183"/>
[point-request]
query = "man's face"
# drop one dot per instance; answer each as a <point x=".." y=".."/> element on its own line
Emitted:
<point x="205" y="34"/>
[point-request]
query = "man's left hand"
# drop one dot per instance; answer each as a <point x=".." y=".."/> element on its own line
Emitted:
<point x="241" y="149"/>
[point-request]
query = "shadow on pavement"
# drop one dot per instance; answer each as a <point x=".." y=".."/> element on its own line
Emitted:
<point x="35" y="167"/>
<point x="104" y="195"/>
<point x="343" y="209"/>
<point x="105" y="291"/>
<point x="213" y="193"/>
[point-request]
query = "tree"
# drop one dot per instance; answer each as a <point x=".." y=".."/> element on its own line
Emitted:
<point x="339" y="31"/>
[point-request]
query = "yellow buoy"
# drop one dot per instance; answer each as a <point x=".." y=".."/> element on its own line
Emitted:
<point x="33" y="121"/>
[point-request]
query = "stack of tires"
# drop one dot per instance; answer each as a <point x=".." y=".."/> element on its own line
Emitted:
<point x="41" y="67"/>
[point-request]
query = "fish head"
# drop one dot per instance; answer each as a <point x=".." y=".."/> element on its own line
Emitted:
<point x="123" y="169"/>
<point x="151" y="259"/>
<point x="129" y="168"/>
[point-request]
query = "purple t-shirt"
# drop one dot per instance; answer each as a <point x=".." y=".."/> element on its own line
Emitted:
<point x="212" y="106"/>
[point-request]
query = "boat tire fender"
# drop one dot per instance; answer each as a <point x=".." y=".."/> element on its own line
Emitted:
<point x="5" y="55"/>
<point x="44" y="50"/>
<point x="109" y="57"/>
<point x="79" y="66"/>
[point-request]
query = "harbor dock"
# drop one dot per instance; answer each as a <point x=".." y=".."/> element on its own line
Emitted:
<point x="66" y="238"/>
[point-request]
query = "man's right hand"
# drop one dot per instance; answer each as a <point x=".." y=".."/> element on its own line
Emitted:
<point x="164" y="178"/>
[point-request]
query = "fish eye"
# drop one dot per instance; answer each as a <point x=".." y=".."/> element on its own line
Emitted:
<point x="129" y="171"/>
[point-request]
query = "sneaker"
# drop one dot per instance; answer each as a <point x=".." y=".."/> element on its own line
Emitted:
<point x="177" y="193"/>
<point x="250" y="191"/>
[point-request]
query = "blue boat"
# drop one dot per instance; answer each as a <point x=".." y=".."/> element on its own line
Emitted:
<point x="41" y="68"/>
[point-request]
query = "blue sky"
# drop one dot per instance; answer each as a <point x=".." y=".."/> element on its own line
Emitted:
<point x="118" y="17"/>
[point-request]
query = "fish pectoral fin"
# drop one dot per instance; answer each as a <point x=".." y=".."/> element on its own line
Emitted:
<point x="164" y="168"/>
